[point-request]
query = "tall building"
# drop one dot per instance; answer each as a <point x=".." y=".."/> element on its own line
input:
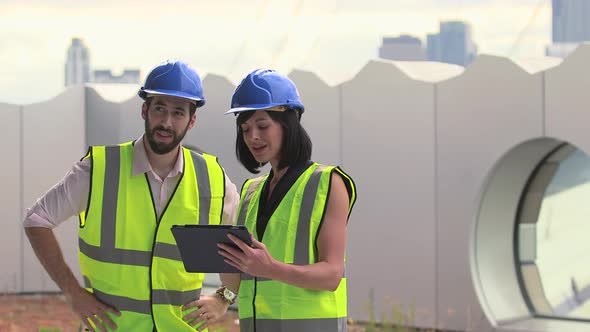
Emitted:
<point x="129" y="76"/>
<point x="452" y="44"/>
<point x="571" y="21"/>
<point x="561" y="50"/>
<point x="402" y="48"/>
<point x="77" y="69"/>
<point x="570" y="26"/>
<point x="433" y="49"/>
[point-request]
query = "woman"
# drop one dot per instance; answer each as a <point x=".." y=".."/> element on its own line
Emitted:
<point x="293" y="276"/>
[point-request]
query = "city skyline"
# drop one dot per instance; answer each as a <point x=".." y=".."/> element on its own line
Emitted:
<point x="451" y="44"/>
<point x="78" y="68"/>
<point x="334" y="39"/>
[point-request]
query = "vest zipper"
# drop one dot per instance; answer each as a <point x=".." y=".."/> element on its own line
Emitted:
<point x="254" y="303"/>
<point x="158" y="219"/>
<point x="152" y="259"/>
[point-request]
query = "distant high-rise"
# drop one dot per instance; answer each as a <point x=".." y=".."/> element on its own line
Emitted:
<point x="433" y="48"/>
<point x="129" y="76"/>
<point x="560" y="50"/>
<point x="77" y="67"/>
<point x="452" y="44"/>
<point x="570" y="26"/>
<point x="402" y="48"/>
<point x="571" y="21"/>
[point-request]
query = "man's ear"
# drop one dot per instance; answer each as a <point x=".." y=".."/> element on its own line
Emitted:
<point x="193" y="121"/>
<point x="144" y="110"/>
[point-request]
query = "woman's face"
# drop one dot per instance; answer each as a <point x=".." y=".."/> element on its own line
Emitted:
<point x="264" y="137"/>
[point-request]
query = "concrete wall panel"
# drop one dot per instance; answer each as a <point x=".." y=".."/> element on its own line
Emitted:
<point x="388" y="148"/>
<point x="131" y="122"/>
<point x="53" y="140"/>
<point x="481" y="115"/>
<point x="568" y="101"/>
<point x="102" y="119"/>
<point x="322" y="118"/>
<point x="10" y="195"/>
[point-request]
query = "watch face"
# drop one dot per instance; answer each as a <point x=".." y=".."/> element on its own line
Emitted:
<point x="228" y="294"/>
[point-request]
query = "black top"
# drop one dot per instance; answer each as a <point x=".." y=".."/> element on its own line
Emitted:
<point x="268" y="205"/>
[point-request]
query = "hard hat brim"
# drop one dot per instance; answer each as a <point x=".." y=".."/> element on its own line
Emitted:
<point x="263" y="107"/>
<point x="198" y="101"/>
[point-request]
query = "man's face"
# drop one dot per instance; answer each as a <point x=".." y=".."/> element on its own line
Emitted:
<point x="167" y="121"/>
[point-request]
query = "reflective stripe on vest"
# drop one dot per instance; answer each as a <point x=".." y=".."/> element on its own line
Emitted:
<point x="252" y="186"/>
<point x="294" y="325"/>
<point x="158" y="297"/>
<point x="129" y="258"/>
<point x="301" y="211"/>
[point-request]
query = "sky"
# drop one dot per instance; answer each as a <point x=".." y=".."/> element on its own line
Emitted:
<point x="332" y="38"/>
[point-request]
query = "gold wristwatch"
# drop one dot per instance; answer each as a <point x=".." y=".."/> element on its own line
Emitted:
<point x="226" y="294"/>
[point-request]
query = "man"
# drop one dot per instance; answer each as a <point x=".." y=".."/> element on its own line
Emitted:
<point x="128" y="196"/>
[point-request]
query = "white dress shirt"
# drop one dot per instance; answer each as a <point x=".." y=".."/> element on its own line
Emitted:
<point x="69" y="197"/>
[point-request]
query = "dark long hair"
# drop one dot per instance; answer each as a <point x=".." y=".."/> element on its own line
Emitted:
<point x="296" y="146"/>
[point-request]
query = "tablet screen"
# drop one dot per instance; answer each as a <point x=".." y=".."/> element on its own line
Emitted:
<point x="198" y="246"/>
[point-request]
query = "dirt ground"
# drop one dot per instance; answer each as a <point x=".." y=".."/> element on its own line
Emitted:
<point x="50" y="313"/>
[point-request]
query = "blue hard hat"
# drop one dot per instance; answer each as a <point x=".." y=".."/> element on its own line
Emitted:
<point x="174" y="78"/>
<point x="264" y="89"/>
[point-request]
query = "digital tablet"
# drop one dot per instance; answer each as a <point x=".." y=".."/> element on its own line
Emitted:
<point x="198" y="246"/>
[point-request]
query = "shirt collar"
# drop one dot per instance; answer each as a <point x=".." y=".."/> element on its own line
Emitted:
<point x="141" y="163"/>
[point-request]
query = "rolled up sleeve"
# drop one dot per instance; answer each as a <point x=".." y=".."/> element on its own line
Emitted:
<point x="65" y="199"/>
<point x="230" y="203"/>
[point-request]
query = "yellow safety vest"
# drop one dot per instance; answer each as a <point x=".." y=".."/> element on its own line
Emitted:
<point x="129" y="258"/>
<point x="266" y="305"/>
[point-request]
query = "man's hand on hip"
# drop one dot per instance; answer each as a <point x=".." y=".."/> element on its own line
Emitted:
<point x="92" y="311"/>
<point x="210" y="309"/>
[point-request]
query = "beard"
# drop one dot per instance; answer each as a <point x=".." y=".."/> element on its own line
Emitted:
<point x="159" y="147"/>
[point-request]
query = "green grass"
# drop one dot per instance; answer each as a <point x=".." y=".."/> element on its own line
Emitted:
<point x="49" y="329"/>
<point x="397" y="320"/>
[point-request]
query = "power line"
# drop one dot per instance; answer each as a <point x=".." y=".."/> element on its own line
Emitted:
<point x="522" y="33"/>
<point x="315" y="43"/>
<point x="284" y="41"/>
<point x="242" y="48"/>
